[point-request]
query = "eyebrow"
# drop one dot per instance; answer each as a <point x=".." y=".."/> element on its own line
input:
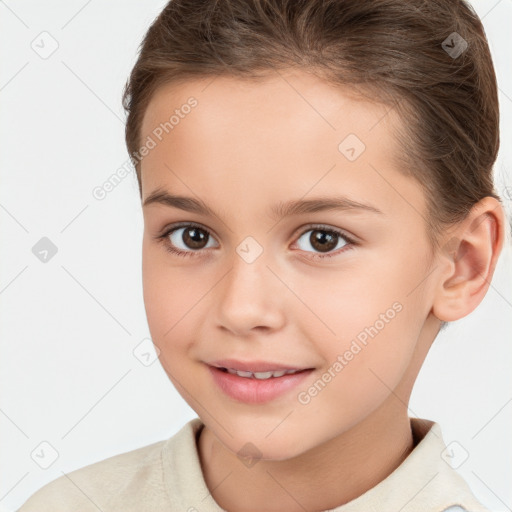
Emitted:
<point x="278" y="211"/>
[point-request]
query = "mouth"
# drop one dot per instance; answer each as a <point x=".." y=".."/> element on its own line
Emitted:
<point x="261" y="375"/>
<point x="257" y="367"/>
<point x="257" y="387"/>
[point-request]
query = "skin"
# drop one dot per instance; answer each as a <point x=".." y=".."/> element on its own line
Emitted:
<point x="245" y="147"/>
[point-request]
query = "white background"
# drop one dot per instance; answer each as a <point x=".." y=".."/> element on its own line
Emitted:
<point x="68" y="375"/>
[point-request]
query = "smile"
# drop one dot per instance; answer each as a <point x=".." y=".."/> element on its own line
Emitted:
<point x="259" y="375"/>
<point x="256" y="387"/>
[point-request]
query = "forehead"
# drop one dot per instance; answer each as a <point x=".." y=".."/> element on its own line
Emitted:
<point x="286" y="132"/>
<point x="292" y="95"/>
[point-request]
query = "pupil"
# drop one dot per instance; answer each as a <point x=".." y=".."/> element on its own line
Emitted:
<point x="194" y="238"/>
<point x="323" y="240"/>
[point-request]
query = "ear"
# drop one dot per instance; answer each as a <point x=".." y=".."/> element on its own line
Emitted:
<point x="468" y="260"/>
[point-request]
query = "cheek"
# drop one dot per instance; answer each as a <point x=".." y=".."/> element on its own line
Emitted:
<point x="361" y="369"/>
<point x="170" y="294"/>
<point x="342" y="303"/>
<point x="369" y="320"/>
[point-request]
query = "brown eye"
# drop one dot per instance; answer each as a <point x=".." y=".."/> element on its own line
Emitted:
<point x="194" y="238"/>
<point x="190" y="240"/>
<point x="324" y="240"/>
<point x="187" y="239"/>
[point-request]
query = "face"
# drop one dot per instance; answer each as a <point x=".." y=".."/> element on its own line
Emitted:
<point x="340" y="292"/>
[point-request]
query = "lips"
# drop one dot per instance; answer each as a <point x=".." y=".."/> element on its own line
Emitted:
<point x="256" y="366"/>
<point x="260" y="375"/>
<point x="254" y="390"/>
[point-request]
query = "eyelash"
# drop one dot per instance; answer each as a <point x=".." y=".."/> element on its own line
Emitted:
<point x="163" y="238"/>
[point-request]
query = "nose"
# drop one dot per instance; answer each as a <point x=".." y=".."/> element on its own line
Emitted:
<point x="250" y="298"/>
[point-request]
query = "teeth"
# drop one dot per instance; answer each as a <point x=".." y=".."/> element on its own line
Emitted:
<point x="275" y="374"/>
<point x="261" y="375"/>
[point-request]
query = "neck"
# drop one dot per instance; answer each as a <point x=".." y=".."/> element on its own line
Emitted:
<point x="322" y="478"/>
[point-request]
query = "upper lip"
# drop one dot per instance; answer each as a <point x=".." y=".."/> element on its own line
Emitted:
<point x="255" y="366"/>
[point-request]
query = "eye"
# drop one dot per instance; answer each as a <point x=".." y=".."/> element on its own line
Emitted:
<point x="325" y="240"/>
<point x="188" y="240"/>
<point x="191" y="236"/>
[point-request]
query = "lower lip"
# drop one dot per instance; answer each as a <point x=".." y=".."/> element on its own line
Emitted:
<point x="256" y="391"/>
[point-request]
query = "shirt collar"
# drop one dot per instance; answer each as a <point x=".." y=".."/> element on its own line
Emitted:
<point x="424" y="482"/>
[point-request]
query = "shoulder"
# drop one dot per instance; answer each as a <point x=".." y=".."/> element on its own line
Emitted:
<point x="91" y="487"/>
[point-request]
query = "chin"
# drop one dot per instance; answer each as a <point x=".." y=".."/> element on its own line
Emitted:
<point x="252" y="450"/>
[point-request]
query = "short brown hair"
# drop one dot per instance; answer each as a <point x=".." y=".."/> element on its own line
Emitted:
<point x="428" y="59"/>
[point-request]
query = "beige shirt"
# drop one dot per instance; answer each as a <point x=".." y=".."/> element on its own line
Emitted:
<point x="166" y="476"/>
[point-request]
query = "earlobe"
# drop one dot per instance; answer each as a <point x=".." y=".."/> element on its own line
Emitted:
<point x="469" y="258"/>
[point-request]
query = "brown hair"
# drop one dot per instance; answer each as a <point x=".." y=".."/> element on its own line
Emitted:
<point x="427" y="59"/>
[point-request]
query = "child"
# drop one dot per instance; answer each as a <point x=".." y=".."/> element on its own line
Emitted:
<point x="262" y="132"/>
